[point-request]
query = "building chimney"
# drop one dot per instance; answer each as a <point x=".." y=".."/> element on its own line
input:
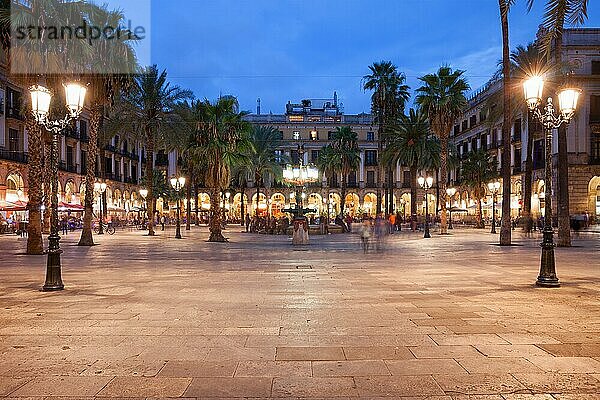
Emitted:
<point x="335" y="99"/>
<point x="258" y="106"/>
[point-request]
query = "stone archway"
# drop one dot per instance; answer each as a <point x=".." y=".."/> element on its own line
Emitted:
<point x="594" y="197"/>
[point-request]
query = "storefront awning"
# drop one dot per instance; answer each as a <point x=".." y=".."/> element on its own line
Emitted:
<point x="13" y="206"/>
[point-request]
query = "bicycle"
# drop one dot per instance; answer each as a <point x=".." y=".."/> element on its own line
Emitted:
<point x="108" y="228"/>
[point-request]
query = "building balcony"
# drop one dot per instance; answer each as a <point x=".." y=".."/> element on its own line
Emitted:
<point x="406" y="185"/>
<point x="18" y="156"/>
<point x="594" y="161"/>
<point x="516" y="170"/>
<point x="71" y="133"/>
<point x="71" y="168"/>
<point x="131" y="180"/>
<point x="371" y="185"/>
<point x="110" y="147"/>
<point x="113" y="177"/>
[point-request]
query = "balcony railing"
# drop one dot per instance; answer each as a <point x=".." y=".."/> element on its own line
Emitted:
<point x="18" y="156"/>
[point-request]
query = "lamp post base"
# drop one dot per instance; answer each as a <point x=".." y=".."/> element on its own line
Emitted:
<point x="547" y="276"/>
<point x="53" y="269"/>
<point x="427" y="235"/>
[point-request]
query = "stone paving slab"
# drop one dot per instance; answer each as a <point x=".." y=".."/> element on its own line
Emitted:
<point x="448" y="318"/>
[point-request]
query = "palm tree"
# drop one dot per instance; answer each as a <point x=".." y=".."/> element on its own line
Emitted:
<point x="328" y="164"/>
<point x="31" y="61"/>
<point x="557" y="14"/>
<point x="477" y="170"/>
<point x="260" y="158"/>
<point x="410" y="143"/>
<point x="505" y="227"/>
<point x="442" y="98"/>
<point x="345" y="145"/>
<point x="109" y="55"/>
<point x="390" y="94"/>
<point x="147" y="109"/>
<point x="221" y="133"/>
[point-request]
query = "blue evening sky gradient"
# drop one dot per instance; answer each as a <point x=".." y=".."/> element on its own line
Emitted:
<point x="282" y="50"/>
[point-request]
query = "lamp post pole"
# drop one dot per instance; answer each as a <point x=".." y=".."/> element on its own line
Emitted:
<point x="426" y="184"/>
<point x="533" y="88"/>
<point x="178" y="184"/>
<point x="450" y="192"/>
<point x="41" y="98"/>
<point x="494" y="187"/>
<point x="144" y="193"/>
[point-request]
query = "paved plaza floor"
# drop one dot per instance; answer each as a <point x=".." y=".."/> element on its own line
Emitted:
<point x="452" y="317"/>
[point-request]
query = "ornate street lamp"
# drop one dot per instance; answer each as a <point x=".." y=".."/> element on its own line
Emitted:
<point x="426" y="184"/>
<point x="178" y="184"/>
<point x="567" y="101"/>
<point x="299" y="175"/>
<point x="451" y="191"/>
<point x="494" y="187"/>
<point x="41" y="99"/>
<point x="101" y="189"/>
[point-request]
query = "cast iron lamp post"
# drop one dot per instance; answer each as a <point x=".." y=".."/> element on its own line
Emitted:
<point x="100" y="188"/>
<point x="178" y="184"/>
<point x="426" y="184"/>
<point x="450" y="192"/>
<point x="144" y="194"/>
<point x="567" y="100"/>
<point x="41" y="98"/>
<point x="494" y="187"/>
<point x="299" y="175"/>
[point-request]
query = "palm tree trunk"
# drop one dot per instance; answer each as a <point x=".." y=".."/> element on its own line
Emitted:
<point x="35" y="243"/>
<point x="215" y="217"/>
<point x="46" y="188"/>
<point x="564" y="218"/>
<point x="380" y="180"/>
<point x="480" y="224"/>
<point x="242" y="208"/>
<point x="196" y="202"/>
<point x="150" y="181"/>
<point x="528" y="174"/>
<point x="189" y="205"/>
<point x="257" y="196"/>
<point x="86" y="238"/>
<point x="505" y="227"/>
<point x="413" y="196"/>
<point x="441" y="183"/>
<point x="343" y="191"/>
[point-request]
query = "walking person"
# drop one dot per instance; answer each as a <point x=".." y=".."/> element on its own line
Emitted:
<point x="365" y="234"/>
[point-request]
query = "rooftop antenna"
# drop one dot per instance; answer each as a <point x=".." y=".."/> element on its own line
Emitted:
<point x="258" y="106"/>
<point x="335" y="99"/>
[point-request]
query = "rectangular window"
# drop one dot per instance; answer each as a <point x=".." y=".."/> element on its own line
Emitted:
<point x="108" y="165"/>
<point x="517" y="130"/>
<point x="456" y="130"/>
<point x="594" y="108"/>
<point x="294" y="156"/>
<point x="595" y="67"/>
<point x="370" y="158"/>
<point x="370" y="178"/>
<point x="69" y="156"/>
<point x="538" y="154"/>
<point x="330" y="135"/>
<point x="314" y="156"/>
<point x="595" y="148"/>
<point x="13" y="140"/>
<point x="484" y="142"/>
<point x="314" y="135"/>
<point x="517" y="161"/>
<point x="296" y="135"/>
<point x="13" y="103"/>
<point x="83" y="162"/>
<point x="472" y="121"/>
<point x="83" y="130"/>
<point x="406" y="179"/>
<point x="464" y="126"/>
<point x="371" y="136"/>
<point x="474" y="144"/>
<point x="482" y="115"/>
<point x="352" y="179"/>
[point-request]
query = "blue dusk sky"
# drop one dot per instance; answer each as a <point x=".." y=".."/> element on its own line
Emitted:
<point x="282" y="50"/>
